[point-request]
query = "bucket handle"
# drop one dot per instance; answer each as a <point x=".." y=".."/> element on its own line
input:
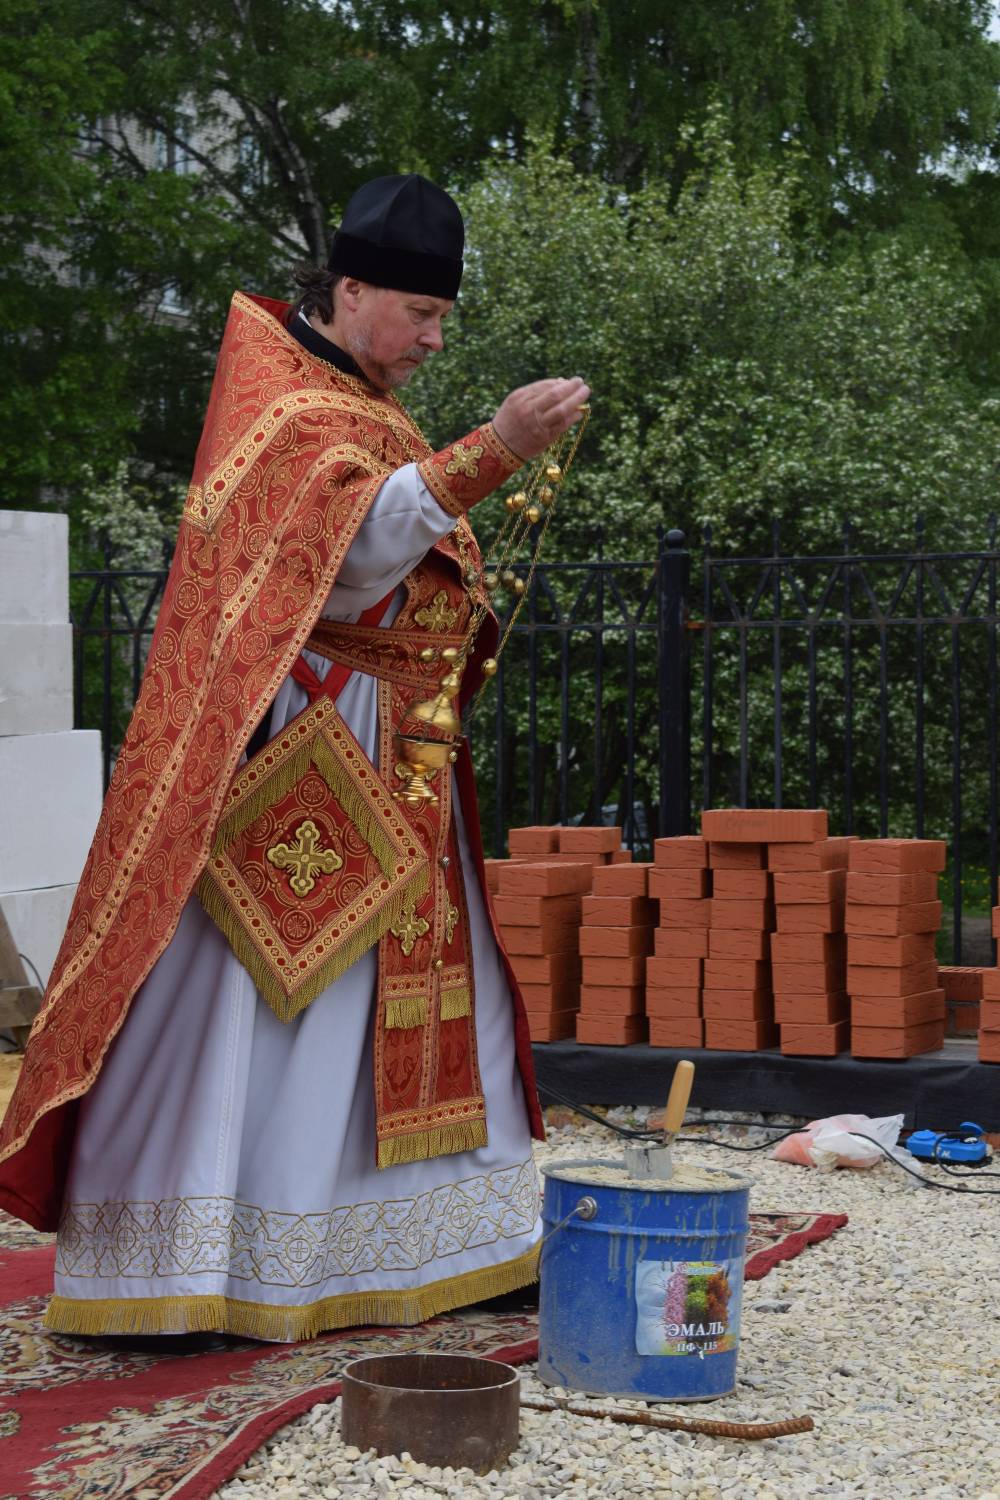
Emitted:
<point x="585" y="1209"/>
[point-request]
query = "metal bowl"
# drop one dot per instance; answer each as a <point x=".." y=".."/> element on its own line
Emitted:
<point x="442" y="1409"/>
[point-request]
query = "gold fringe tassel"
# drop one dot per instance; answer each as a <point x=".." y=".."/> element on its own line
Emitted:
<point x="442" y="1140"/>
<point x="404" y="1011"/>
<point x="456" y="1003"/>
<point x="266" y="792"/>
<point x="259" y="1320"/>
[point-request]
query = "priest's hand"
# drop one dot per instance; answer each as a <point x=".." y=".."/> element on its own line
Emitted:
<point x="533" y="416"/>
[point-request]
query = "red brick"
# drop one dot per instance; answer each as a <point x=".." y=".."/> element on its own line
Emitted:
<point x="673" y="1002"/>
<point x="618" y="911"/>
<point x="492" y="868"/>
<point x="683" y="853"/>
<point x="900" y="1010"/>
<point x="810" y="887"/>
<point x="896" y="1041"/>
<point x="741" y="885"/>
<point x="989" y="1015"/>
<point x="556" y="1027"/>
<point x="995" y="922"/>
<point x="740" y="1036"/>
<point x="671" y="972"/>
<point x="611" y="1031"/>
<point x="737" y="856"/>
<point x="612" y="1000"/>
<point x="825" y="918"/>
<point x="594" y="860"/>
<point x="737" y="1005"/>
<point x="897" y="856"/>
<point x="619" y="971"/>
<point x="584" y="840"/>
<point x="991" y="984"/>
<point x="674" y="885"/>
<point x="615" y="942"/>
<point x="538" y="839"/>
<point x="681" y="942"/>
<point x="808" y="979"/>
<point x="891" y="890"/>
<point x="808" y="947"/>
<point x="738" y="942"/>
<point x="989" y="1046"/>
<point x="812" y="1010"/>
<point x="904" y="979"/>
<point x="539" y="940"/>
<point x="546" y="968"/>
<point x="564" y="994"/>
<point x="815" y="1041"/>
<point x="962" y="1018"/>
<point x="892" y="921"/>
<point x="678" y="1031"/>
<point x="757" y="916"/>
<point x="961" y="982"/>
<point x="620" y="857"/>
<point x="824" y="854"/>
<point x="737" y="974"/>
<point x="683" y="913"/>
<point x="530" y="911"/>
<point x="622" y="880"/>
<point x="911" y="948"/>
<point x="764" y="825"/>
<point x="545" y="878"/>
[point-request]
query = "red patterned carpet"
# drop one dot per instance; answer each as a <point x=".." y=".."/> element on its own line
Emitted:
<point x="79" y="1419"/>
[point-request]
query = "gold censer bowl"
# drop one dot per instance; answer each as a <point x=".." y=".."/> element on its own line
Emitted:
<point x="419" y="762"/>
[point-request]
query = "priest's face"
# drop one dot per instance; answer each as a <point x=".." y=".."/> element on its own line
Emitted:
<point x="391" y="333"/>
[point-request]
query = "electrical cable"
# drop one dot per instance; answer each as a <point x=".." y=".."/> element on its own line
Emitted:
<point x="38" y="978"/>
<point x="704" y="1140"/>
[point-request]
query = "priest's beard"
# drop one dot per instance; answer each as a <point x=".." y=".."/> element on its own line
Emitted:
<point x="360" y="342"/>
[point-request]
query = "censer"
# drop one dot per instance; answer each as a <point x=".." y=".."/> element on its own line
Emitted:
<point x="528" y="515"/>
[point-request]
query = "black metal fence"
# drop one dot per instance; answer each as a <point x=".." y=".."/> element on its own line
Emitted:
<point x="637" y="692"/>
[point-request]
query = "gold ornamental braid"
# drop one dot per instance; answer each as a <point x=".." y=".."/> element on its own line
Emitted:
<point x="528" y="516"/>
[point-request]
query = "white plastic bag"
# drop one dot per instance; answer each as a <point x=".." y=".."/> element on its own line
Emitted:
<point x="827" y="1144"/>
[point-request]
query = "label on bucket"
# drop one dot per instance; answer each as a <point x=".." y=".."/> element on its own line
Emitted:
<point x="687" y="1307"/>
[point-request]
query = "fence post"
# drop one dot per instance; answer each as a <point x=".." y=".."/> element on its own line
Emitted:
<point x="674" y="682"/>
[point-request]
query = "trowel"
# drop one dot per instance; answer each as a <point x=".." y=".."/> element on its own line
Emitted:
<point x="657" y="1161"/>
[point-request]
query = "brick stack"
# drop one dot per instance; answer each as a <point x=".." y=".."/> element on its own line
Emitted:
<point x="538" y="911"/>
<point x="893" y="915"/>
<point x="989" y="1017"/>
<point x="615" y="939"/>
<point x="739" y="995"/>
<point x="808" y="951"/>
<point x="680" y="881"/>
<point x="963" y="992"/>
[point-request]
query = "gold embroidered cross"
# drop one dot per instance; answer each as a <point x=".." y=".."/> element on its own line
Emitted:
<point x="408" y="929"/>
<point x="464" y="460"/>
<point x="304" y="858"/>
<point x="450" y="922"/>
<point x="437" y="615"/>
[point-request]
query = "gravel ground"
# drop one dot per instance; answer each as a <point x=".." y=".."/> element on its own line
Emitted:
<point x="888" y="1335"/>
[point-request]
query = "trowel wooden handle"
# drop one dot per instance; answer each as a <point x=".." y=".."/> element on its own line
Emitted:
<point x="680" y="1094"/>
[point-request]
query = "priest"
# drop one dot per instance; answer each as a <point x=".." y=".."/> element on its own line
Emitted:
<point x="281" y="1079"/>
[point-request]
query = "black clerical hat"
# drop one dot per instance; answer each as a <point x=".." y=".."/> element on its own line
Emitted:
<point x="401" y="232"/>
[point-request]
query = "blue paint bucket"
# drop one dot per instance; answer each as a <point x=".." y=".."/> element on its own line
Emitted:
<point x="641" y="1282"/>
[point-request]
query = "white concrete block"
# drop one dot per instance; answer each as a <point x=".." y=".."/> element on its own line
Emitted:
<point x="36" y="687"/>
<point x="37" y="920"/>
<point x="34" y="566"/>
<point x="50" y="800"/>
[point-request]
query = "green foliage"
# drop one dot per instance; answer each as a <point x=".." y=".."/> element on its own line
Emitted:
<point x="741" y="375"/>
